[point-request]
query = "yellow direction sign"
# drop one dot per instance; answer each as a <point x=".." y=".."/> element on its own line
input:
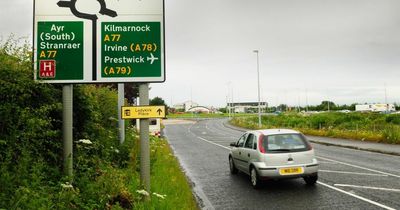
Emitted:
<point x="143" y="112"/>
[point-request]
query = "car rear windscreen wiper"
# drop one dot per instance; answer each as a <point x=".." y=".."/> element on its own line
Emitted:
<point x="280" y="150"/>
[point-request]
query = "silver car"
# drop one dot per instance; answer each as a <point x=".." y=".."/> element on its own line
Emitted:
<point x="274" y="154"/>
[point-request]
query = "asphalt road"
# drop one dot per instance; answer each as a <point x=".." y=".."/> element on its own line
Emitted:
<point x="348" y="179"/>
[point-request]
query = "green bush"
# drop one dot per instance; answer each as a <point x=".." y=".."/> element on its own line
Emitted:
<point x="393" y="119"/>
<point x="31" y="141"/>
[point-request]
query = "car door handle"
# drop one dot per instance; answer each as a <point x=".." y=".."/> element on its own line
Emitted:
<point x="248" y="155"/>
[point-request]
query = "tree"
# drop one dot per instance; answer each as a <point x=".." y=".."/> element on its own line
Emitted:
<point x="326" y="106"/>
<point x="131" y="92"/>
<point x="223" y="110"/>
<point x="157" y="101"/>
<point x="282" y="107"/>
<point x="397" y="106"/>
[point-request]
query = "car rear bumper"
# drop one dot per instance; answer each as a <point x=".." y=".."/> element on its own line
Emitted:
<point x="274" y="172"/>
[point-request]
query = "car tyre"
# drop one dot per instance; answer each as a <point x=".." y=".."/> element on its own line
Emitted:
<point x="232" y="167"/>
<point x="311" y="180"/>
<point x="254" y="178"/>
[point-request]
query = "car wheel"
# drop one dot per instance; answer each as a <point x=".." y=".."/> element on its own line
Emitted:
<point x="232" y="166"/>
<point x="255" y="181"/>
<point x="311" y="180"/>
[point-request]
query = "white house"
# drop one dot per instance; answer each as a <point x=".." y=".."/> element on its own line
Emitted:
<point x="186" y="105"/>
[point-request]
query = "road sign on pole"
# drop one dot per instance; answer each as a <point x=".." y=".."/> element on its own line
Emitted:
<point x="142" y="112"/>
<point x="122" y="42"/>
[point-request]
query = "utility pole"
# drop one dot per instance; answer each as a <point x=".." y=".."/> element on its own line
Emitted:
<point x="306" y="100"/>
<point x="386" y="102"/>
<point x="258" y="86"/>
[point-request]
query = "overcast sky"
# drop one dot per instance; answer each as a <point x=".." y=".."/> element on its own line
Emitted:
<point x="344" y="51"/>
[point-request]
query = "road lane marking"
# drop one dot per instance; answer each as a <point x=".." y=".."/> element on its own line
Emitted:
<point x="214" y="130"/>
<point x="368" y="187"/>
<point x="213" y="143"/>
<point x="355" y="166"/>
<point x="327" y="162"/>
<point x="356" y="196"/>
<point x="348" y="172"/>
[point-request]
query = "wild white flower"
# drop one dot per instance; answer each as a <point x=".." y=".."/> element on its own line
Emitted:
<point x="143" y="192"/>
<point x="112" y="119"/>
<point x="116" y="151"/>
<point x="84" y="141"/>
<point x="67" y="185"/>
<point x="160" y="196"/>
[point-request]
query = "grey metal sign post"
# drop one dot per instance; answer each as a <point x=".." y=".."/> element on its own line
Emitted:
<point x="144" y="140"/>
<point x="67" y="130"/>
<point x="121" y="122"/>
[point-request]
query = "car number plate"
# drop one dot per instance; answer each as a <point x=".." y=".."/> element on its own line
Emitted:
<point x="291" y="171"/>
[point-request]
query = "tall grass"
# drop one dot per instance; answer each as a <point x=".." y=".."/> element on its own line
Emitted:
<point x="167" y="179"/>
<point x="360" y="126"/>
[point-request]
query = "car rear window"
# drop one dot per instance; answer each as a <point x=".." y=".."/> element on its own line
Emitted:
<point x="285" y="143"/>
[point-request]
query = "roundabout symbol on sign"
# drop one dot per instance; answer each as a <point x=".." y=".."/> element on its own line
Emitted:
<point x="103" y="11"/>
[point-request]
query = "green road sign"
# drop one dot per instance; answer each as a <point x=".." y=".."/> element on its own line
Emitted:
<point x="60" y="51"/>
<point x="122" y="42"/>
<point x="131" y="49"/>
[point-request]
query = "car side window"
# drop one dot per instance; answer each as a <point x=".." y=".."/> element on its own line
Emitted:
<point x="249" y="142"/>
<point x="240" y="142"/>
<point x="255" y="142"/>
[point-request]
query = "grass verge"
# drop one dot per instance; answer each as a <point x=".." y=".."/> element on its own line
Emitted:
<point x="357" y="126"/>
<point x="169" y="184"/>
<point x="102" y="184"/>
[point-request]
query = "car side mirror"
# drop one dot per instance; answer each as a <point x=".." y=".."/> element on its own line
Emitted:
<point x="233" y="144"/>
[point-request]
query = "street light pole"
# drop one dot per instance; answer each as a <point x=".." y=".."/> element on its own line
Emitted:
<point x="258" y="85"/>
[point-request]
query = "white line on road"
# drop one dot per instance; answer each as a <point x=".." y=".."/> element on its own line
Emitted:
<point x="367" y="187"/>
<point x="213" y="143"/>
<point x="355" y="166"/>
<point x="207" y="140"/>
<point x="220" y="130"/>
<point x="326" y="162"/>
<point x="356" y="196"/>
<point x="348" y="172"/>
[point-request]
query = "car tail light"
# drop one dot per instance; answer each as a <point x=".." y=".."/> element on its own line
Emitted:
<point x="307" y="142"/>
<point x="309" y="145"/>
<point x="260" y="144"/>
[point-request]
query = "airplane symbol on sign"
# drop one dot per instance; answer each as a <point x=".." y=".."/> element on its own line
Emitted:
<point x="152" y="58"/>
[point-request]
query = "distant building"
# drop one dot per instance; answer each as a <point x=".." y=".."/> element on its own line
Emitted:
<point x="200" y="109"/>
<point x="185" y="106"/>
<point x="375" y="108"/>
<point x="247" y="107"/>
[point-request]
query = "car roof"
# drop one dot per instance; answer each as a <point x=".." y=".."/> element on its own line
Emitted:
<point x="267" y="132"/>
